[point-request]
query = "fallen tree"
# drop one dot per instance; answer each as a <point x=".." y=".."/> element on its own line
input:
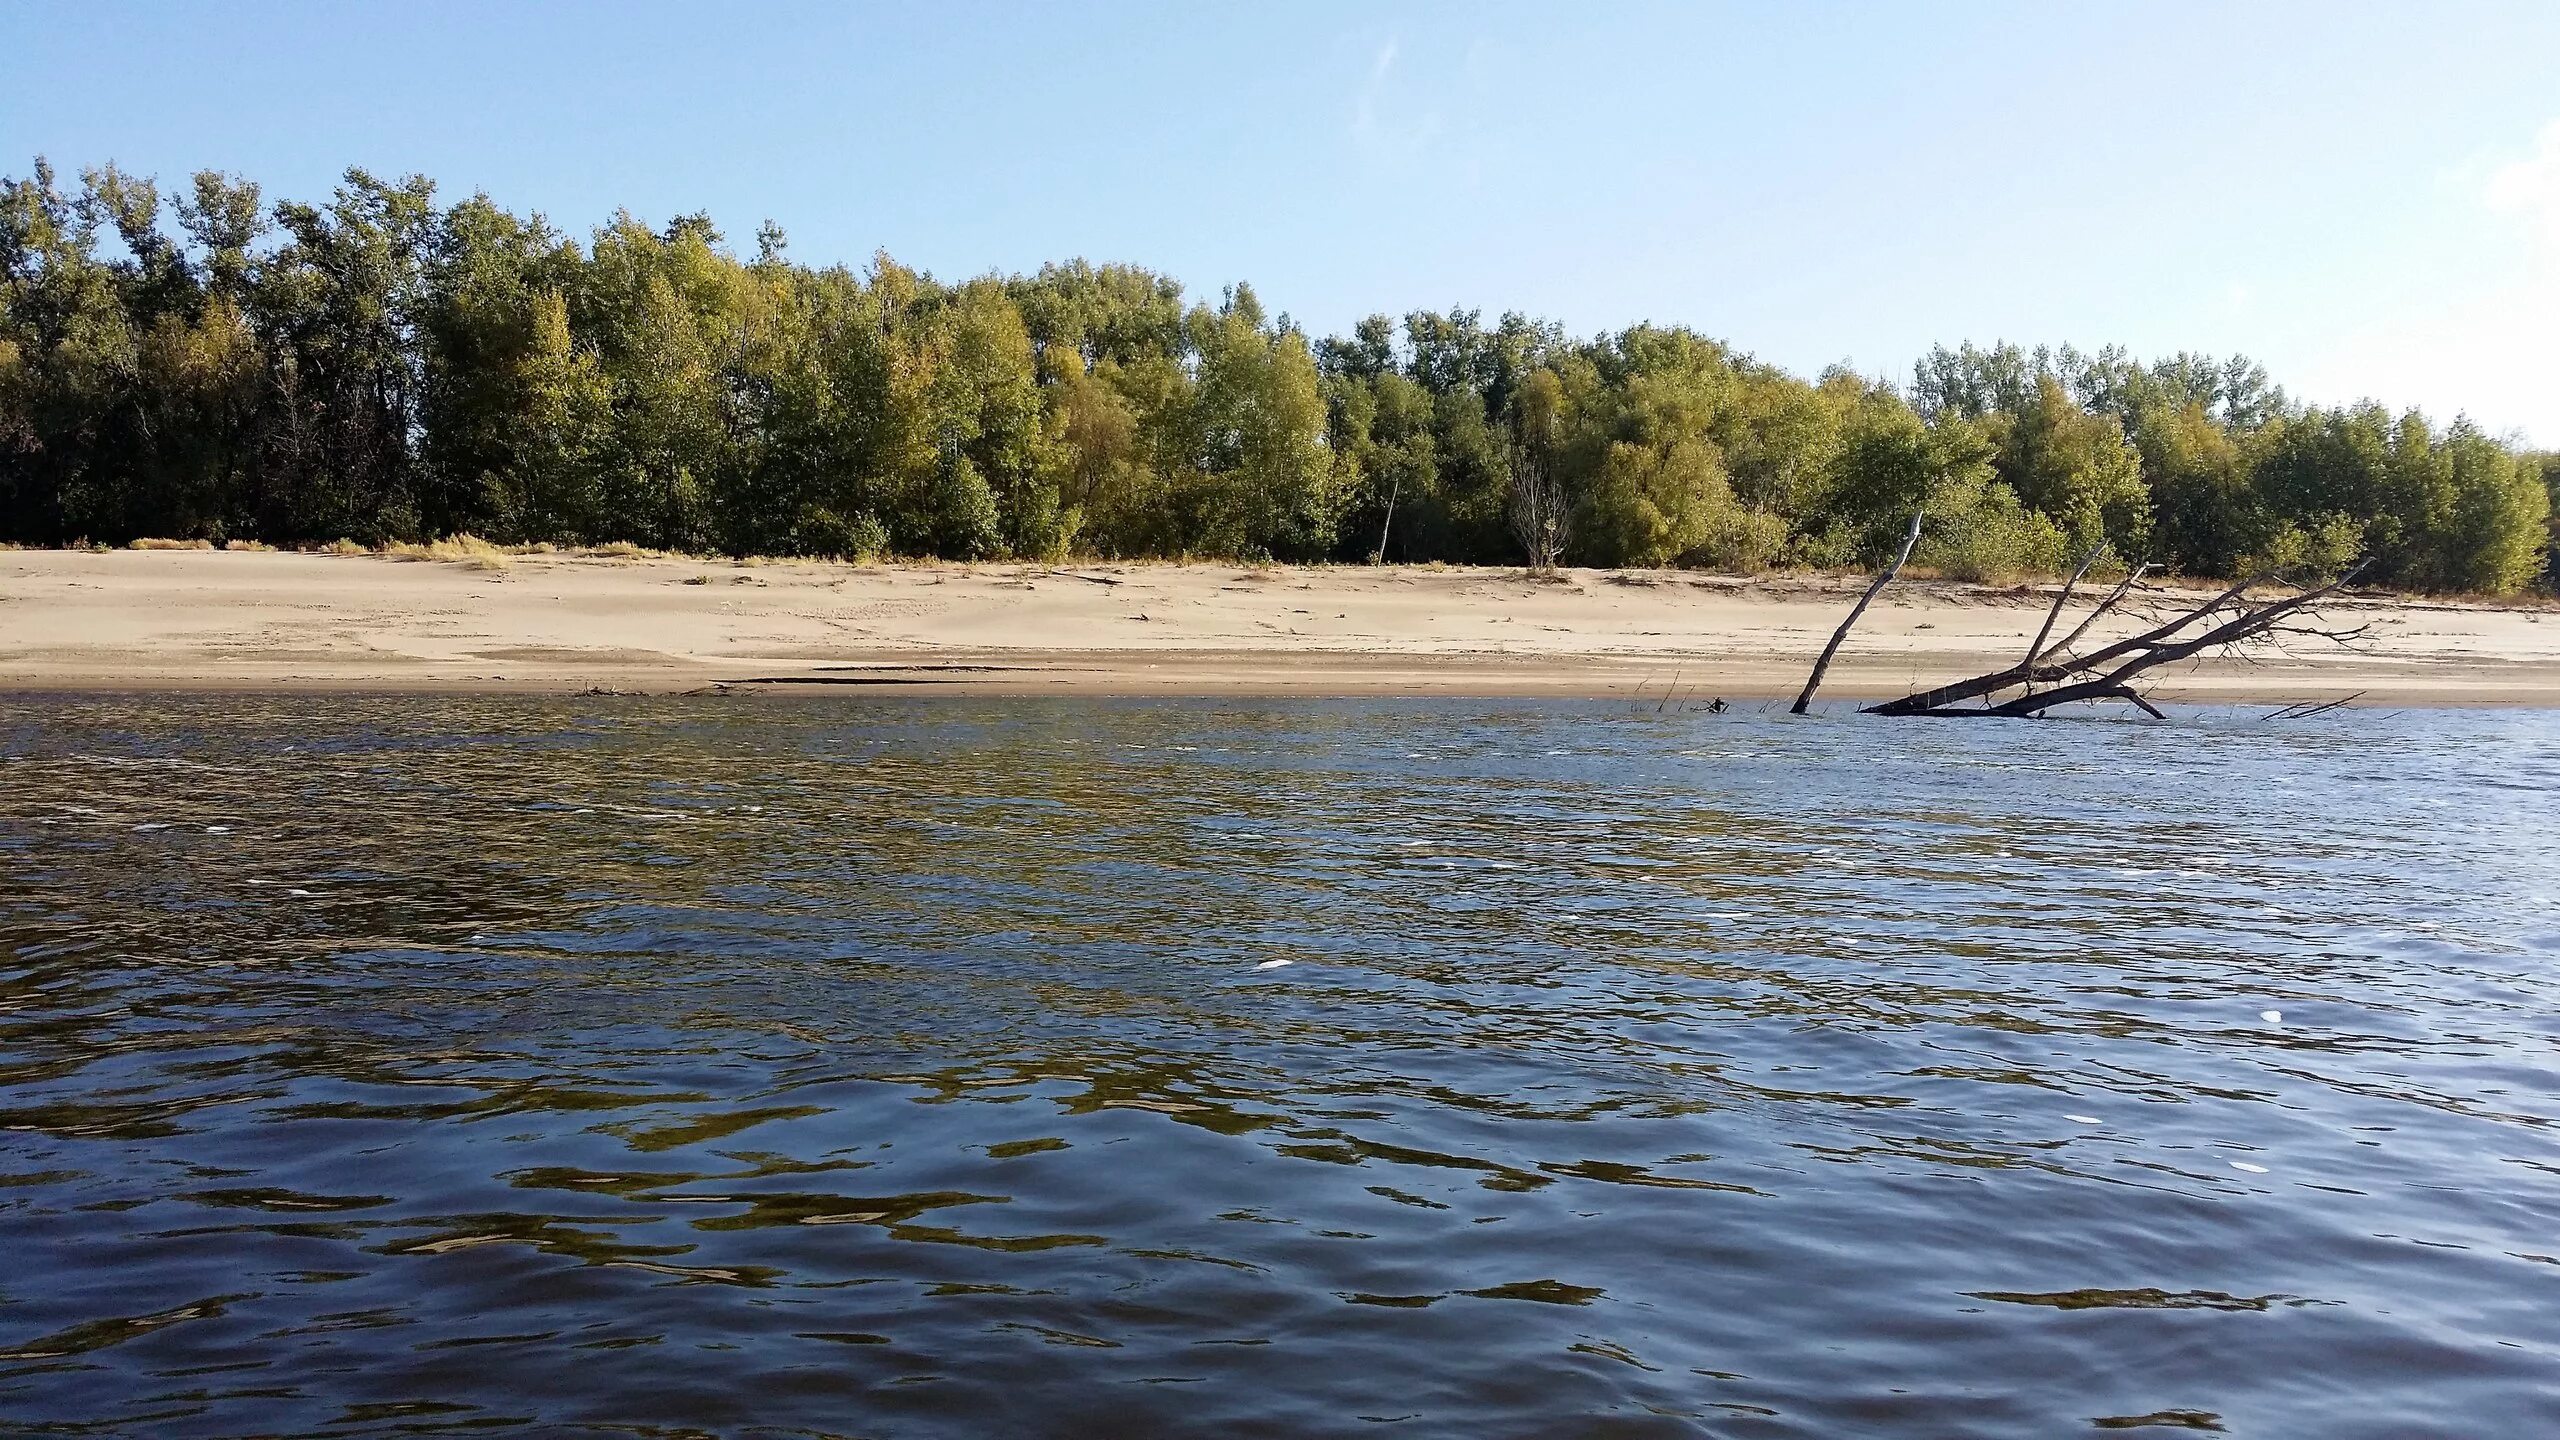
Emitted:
<point x="1883" y="578"/>
<point x="2051" y="674"/>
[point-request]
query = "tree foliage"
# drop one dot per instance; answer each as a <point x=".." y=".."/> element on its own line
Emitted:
<point x="204" y="362"/>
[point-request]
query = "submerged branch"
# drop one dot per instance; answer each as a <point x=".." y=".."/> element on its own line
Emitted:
<point x="2108" y="672"/>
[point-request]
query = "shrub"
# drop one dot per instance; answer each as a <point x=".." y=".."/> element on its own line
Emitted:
<point x="1745" y="541"/>
<point x="2316" y="549"/>
<point x="860" y="539"/>
<point x="1987" y="535"/>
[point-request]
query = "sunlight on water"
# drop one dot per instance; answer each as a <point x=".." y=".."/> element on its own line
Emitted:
<point x="1490" y="1068"/>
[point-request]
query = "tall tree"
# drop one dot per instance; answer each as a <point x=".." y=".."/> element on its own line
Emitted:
<point x="205" y="364"/>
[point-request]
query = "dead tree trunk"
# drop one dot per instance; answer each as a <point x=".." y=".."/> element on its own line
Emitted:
<point x="1395" y="492"/>
<point x="2034" y="667"/>
<point x="1541" y="517"/>
<point x="2109" y="672"/>
<point x="1813" y="682"/>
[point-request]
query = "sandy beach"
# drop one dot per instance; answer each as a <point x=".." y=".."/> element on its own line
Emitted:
<point x="154" y="620"/>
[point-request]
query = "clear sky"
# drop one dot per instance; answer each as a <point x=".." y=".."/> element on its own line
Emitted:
<point x="2364" y="196"/>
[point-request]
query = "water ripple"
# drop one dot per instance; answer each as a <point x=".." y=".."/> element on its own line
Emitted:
<point x="866" y="1067"/>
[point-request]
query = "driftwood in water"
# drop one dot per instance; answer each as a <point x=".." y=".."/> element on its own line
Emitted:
<point x="2308" y="708"/>
<point x="1813" y="682"/>
<point x="2050" y="675"/>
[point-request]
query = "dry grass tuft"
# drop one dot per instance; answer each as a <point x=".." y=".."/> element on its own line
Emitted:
<point x="472" y="553"/>
<point x="625" y="550"/>
<point x="341" y="547"/>
<point x="256" y="547"/>
<point x="154" y="544"/>
<point x="468" y="551"/>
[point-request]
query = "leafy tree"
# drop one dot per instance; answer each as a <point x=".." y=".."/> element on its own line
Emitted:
<point x="659" y="307"/>
<point x="1782" y="437"/>
<point x="493" y="326"/>
<point x="201" y="362"/>
<point x="2076" y="469"/>
<point x="1974" y="384"/>
<point x="2550" y="467"/>
<point x="2494" y="532"/>
<point x="1261" y="484"/>
<point x="67" y="346"/>
<point x="1119" y="313"/>
<point x="1367" y="354"/>
<point x="1383" y="434"/>
<point x="336" y="309"/>
<point x="2206" y="515"/>
<point x="1888" y="465"/>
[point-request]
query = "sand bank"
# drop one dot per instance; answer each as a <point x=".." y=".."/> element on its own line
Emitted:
<point x="258" y="621"/>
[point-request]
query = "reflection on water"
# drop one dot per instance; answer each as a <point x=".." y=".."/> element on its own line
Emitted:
<point x="838" y="1067"/>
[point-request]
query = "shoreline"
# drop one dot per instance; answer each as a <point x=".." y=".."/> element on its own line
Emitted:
<point x="273" y="623"/>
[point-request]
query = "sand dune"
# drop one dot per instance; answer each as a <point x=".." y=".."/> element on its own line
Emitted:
<point x="215" y="620"/>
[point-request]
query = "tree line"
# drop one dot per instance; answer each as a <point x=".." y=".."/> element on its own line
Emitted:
<point x="199" y="363"/>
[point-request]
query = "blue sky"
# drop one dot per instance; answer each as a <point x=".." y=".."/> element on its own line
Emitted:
<point x="2365" y="196"/>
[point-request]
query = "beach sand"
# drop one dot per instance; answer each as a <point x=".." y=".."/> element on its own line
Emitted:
<point x="211" y="620"/>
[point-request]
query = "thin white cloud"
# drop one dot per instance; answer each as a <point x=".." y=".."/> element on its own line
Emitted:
<point x="2493" y="354"/>
<point x="1375" y="130"/>
<point x="2530" y="187"/>
<point x="1364" y="115"/>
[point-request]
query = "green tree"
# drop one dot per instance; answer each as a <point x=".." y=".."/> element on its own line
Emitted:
<point x="2075" y="468"/>
<point x="336" y="308"/>
<point x="204" y="363"/>
<point x="2205" y="514"/>
<point x="1261" y="477"/>
<point x="2550" y="467"/>
<point x="493" y="328"/>
<point x="2495" y="530"/>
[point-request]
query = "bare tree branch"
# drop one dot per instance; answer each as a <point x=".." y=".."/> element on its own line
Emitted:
<point x="2249" y="624"/>
<point x="2028" y="671"/>
<point x="1395" y="492"/>
<point x="2304" y="710"/>
<point x="2108" y="672"/>
<point x="2035" y="649"/>
<point x="1813" y="682"/>
<point x="2127" y="694"/>
<point x="1541" y="516"/>
<point x="2131" y="578"/>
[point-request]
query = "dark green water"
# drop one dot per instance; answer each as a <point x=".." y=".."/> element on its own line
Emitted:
<point x="834" y="1067"/>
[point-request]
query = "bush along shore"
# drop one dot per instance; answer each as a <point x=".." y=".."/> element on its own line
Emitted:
<point x="197" y="363"/>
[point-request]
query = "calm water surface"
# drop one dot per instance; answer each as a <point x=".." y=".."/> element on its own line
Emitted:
<point x="860" y="1067"/>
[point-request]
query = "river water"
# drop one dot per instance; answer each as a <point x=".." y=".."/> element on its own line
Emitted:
<point x="868" y="1067"/>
